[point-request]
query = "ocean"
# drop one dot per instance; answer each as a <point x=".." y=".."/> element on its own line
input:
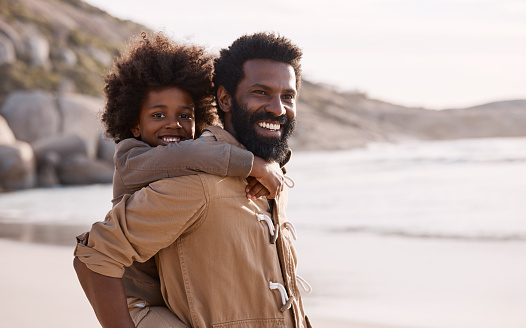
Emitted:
<point x="466" y="189"/>
<point x="461" y="189"/>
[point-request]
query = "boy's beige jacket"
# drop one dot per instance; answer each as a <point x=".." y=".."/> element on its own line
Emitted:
<point x="223" y="260"/>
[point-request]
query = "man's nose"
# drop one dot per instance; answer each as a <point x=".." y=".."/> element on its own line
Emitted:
<point x="276" y="107"/>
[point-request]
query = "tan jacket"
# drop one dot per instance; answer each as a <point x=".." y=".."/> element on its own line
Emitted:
<point x="137" y="164"/>
<point x="218" y="262"/>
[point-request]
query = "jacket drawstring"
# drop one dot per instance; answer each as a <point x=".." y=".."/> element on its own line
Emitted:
<point x="290" y="227"/>
<point x="289" y="182"/>
<point x="307" y="288"/>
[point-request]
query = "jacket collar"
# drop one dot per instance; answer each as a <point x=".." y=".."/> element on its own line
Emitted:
<point x="223" y="135"/>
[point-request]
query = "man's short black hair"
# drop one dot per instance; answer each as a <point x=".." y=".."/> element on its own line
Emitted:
<point x="228" y="67"/>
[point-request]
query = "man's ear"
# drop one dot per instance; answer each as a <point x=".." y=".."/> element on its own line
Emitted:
<point x="224" y="99"/>
<point x="136" y="131"/>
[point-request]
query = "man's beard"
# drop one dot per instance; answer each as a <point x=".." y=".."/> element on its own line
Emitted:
<point x="271" y="149"/>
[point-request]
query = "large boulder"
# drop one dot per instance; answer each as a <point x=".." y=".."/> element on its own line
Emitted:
<point x="37" y="48"/>
<point x="67" y="56"/>
<point x="47" y="175"/>
<point x="63" y="145"/>
<point x="63" y="159"/>
<point x="8" y="31"/>
<point x="100" y="55"/>
<point x="80" y="117"/>
<point x="7" y="51"/>
<point x="83" y="170"/>
<point x="52" y="152"/>
<point x="17" y="167"/>
<point x="32" y="115"/>
<point x="7" y="136"/>
<point x="105" y="149"/>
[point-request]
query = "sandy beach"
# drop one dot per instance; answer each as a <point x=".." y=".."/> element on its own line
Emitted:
<point x="391" y="281"/>
<point x="380" y="281"/>
<point x="39" y="289"/>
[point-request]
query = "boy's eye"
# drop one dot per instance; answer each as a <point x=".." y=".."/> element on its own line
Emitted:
<point x="158" y="115"/>
<point x="187" y="116"/>
<point x="288" y="97"/>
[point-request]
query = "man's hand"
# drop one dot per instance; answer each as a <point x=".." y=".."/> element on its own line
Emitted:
<point x="106" y="295"/>
<point x="265" y="179"/>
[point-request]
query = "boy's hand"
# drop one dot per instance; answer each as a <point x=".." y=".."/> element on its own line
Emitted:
<point x="255" y="189"/>
<point x="265" y="179"/>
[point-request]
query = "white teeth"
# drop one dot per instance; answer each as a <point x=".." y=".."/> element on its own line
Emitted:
<point x="171" y="139"/>
<point x="269" y="126"/>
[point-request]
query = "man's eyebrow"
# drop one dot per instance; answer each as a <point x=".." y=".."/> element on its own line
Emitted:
<point x="266" y="87"/>
<point x="261" y="86"/>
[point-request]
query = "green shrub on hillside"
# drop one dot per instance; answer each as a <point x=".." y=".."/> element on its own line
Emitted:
<point x="82" y="75"/>
<point x="84" y="6"/>
<point x="12" y="11"/>
<point x="20" y="76"/>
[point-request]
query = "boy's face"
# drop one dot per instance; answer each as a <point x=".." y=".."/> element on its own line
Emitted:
<point x="167" y="116"/>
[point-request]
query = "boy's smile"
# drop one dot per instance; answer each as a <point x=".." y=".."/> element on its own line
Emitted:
<point x="167" y="116"/>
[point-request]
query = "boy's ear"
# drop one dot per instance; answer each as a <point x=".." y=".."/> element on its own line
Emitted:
<point x="136" y="131"/>
<point x="224" y="99"/>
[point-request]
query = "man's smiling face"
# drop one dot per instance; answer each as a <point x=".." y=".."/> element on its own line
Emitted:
<point x="263" y="112"/>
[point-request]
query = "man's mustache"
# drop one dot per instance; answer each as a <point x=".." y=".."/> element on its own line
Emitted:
<point x="266" y="116"/>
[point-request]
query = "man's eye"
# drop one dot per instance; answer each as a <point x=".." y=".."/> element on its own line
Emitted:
<point x="288" y="97"/>
<point x="158" y="115"/>
<point x="259" y="92"/>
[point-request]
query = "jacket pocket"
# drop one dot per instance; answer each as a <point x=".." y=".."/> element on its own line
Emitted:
<point x="252" y="323"/>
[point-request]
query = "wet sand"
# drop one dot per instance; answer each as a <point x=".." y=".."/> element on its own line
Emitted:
<point x="42" y="233"/>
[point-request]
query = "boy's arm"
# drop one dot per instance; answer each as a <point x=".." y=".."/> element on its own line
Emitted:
<point x="134" y="230"/>
<point x="139" y="164"/>
<point x="141" y="224"/>
<point x="106" y="295"/>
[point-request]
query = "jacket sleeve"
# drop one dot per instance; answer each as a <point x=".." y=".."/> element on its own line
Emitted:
<point x="140" y="164"/>
<point x="142" y="224"/>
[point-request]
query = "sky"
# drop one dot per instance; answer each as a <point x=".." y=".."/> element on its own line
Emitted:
<point x="434" y="54"/>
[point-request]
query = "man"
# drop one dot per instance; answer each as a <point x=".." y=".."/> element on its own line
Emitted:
<point x="223" y="260"/>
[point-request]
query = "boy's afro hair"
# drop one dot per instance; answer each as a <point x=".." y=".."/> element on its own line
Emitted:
<point x="152" y="64"/>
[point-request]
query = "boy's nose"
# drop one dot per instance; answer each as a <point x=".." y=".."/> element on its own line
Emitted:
<point x="174" y="124"/>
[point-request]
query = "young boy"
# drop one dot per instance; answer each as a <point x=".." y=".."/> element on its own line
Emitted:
<point x="158" y="96"/>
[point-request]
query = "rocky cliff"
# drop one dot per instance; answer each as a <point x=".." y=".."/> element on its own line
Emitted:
<point x="54" y="52"/>
<point x="334" y="120"/>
